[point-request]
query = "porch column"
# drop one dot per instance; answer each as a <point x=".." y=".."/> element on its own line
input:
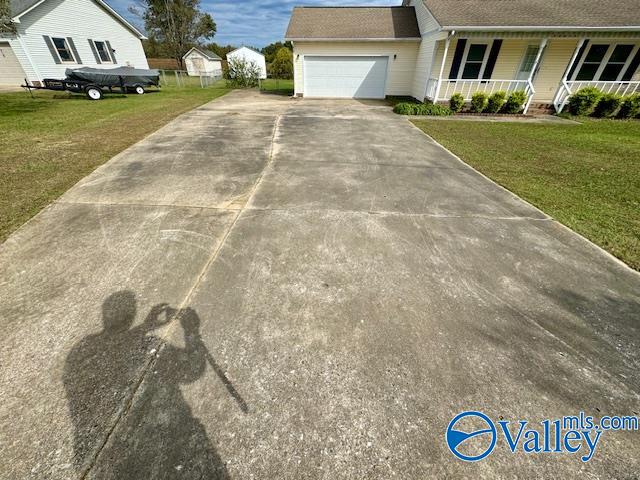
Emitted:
<point x="444" y="59"/>
<point x="563" y="89"/>
<point x="536" y="64"/>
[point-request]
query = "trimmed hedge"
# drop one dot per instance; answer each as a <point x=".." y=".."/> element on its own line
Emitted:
<point x="630" y="107"/>
<point x="608" y="105"/>
<point x="456" y="103"/>
<point x="584" y="101"/>
<point x="422" y="109"/>
<point x="496" y="102"/>
<point x="515" y="103"/>
<point x="479" y="102"/>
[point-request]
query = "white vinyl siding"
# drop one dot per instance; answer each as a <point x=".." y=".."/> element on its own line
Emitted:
<point x="90" y="21"/>
<point x="430" y="31"/>
<point x="197" y="65"/>
<point x="401" y="69"/>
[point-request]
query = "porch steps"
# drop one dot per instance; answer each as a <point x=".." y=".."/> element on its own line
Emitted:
<point x="541" y="108"/>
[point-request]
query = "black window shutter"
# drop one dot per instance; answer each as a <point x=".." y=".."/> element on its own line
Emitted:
<point x="491" y="61"/>
<point x="112" y="52"/>
<point x="94" y="51"/>
<point x="583" y="49"/>
<point x="52" y="50"/>
<point x="633" y="66"/>
<point x="72" y="46"/>
<point x="457" y="58"/>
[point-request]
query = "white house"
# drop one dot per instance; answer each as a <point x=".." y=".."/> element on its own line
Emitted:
<point x="53" y="35"/>
<point x="201" y="62"/>
<point x="249" y="55"/>
<point x="433" y="49"/>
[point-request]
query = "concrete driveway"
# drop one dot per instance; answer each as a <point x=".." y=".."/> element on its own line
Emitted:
<point x="277" y="288"/>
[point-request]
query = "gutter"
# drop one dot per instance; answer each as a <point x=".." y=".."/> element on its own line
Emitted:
<point x="310" y="39"/>
<point x="542" y="29"/>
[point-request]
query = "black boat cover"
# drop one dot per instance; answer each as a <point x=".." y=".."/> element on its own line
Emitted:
<point x="110" y="77"/>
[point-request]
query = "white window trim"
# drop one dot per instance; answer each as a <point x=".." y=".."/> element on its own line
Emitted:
<point x="107" y="49"/>
<point x="605" y="61"/>
<point x="487" y="52"/>
<point x="68" y="48"/>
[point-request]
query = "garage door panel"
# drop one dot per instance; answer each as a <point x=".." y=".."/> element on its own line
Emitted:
<point x="11" y="72"/>
<point x="345" y="77"/>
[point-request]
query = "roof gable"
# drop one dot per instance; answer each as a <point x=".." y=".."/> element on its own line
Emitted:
<point x="353" y="23"/>
<point x="204" y="52"/>
<point x="21" y="7"/>
<point x="536" y="13"/>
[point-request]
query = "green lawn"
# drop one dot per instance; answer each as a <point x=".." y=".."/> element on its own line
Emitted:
<point x="276" y="86"/>
<point x="585" y="176"/>
<point x="51" y="141"/>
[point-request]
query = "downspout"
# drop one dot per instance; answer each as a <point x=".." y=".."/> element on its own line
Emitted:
<point x="444" y="59"/>
<point x="28" y="56"/>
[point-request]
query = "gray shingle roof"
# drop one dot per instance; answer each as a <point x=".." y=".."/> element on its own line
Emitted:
<point x="536" y="13"/>
<point x="207" y="53"/>
<point x="353" y="23"/>
<point x="19" y="6"/>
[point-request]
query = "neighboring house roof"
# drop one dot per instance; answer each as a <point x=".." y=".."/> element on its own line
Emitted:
<point x="20" y="7"/>
<point x="248" y="48"/>
<point x="204" y="52"/>
<point x="353" y="23"/>
<point x="558" y="14"/>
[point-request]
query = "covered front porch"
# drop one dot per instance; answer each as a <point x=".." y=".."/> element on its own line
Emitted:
<point x="547" y="67"/>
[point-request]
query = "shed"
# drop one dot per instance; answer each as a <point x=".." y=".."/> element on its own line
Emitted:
<point x="250" y="55"/>
<point x="202" y="62"/>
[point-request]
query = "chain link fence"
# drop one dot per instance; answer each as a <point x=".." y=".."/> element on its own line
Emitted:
<point x="181" y="78"/>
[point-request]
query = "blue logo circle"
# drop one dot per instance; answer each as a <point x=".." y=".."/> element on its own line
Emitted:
<point x="455" y="438"/>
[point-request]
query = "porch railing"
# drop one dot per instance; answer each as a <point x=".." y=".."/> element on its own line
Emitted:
<point x="567" y="89"/>
<point x="468" y="87"/>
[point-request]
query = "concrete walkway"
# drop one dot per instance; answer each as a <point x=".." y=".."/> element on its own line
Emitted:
<point x="277" y="288"/>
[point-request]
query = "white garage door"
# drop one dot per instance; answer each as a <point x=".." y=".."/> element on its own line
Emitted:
<point x="345" y="77"/>
<point x="10" y="70"/>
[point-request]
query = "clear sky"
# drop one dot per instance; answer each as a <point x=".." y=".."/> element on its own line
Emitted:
<point x="252" y="22"/>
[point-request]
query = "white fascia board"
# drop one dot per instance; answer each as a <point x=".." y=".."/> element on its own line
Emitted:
<point x="541" y="29"/>
<point x="296" y="39"/>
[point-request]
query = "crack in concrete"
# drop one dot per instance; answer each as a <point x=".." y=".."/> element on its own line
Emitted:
<point x="148" y="367"/>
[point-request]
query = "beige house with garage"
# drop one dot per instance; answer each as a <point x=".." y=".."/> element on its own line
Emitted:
<point x="431" y="49"/>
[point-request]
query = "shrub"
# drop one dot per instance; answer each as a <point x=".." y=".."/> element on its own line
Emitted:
<point x="456" y="102"/>
<point x="282" y="65"/>
<point x="479" y="102"/>
<point x="432" y="109"/>
<point x="608" y="105"/>
<point x="406" y="108"/>
<point x="584" y="101"/>
<point x="241" y="73"/>
<point x="496" y="101"/>
<point x="630" y="107"/>
<point x="515" y="102"/>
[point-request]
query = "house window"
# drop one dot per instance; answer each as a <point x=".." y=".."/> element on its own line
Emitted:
<point x="62" y="48"/>
<point x="616" y="63"/>
<point x="103" y="52"/>
<point x="604" y="63"/>
<point x="474" y="61"/>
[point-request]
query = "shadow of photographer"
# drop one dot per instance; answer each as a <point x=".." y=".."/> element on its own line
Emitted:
<point x="157" y="435"/>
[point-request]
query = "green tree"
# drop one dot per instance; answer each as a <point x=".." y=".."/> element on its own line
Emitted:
<point x="270" y="50"/>
<point x="220" y="50"/>
<point x="282" y="65"/>
<point x="6" y="25"/>
<point x="176" y="24"/>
